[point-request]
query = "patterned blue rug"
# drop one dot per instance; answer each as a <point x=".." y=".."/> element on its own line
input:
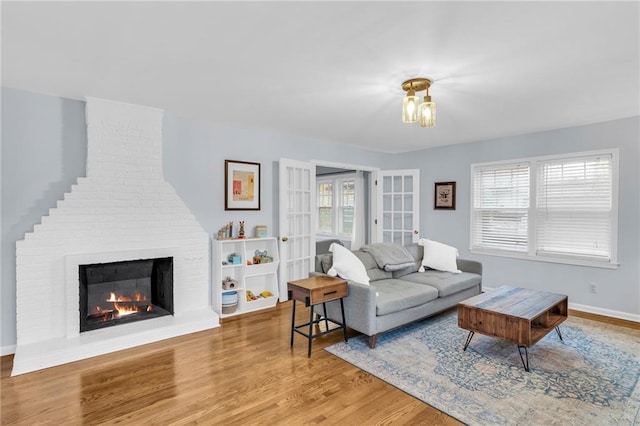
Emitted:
<point x="590" y="378"/>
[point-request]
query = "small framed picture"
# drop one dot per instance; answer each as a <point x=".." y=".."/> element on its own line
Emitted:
<point x="241" y="185"/>
<point x="444" y="196"/>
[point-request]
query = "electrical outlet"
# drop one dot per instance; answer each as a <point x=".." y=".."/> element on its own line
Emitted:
<point x="593" y="287"/>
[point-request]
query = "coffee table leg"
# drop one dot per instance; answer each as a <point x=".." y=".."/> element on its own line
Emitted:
<point x="469" y="337"/>
<point x="559" y="334"/>
<point x="526" y="357"/>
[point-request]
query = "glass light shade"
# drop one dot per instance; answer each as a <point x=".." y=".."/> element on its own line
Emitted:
<point x="427" y="114"/>
<point x="410" y="109"/>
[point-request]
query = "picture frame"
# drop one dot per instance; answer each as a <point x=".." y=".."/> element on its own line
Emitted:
<point x="241" y="185"/>
<point x="444" y="196"/>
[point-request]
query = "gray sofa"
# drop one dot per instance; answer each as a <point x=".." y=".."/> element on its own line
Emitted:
<point x="393" y="299"/>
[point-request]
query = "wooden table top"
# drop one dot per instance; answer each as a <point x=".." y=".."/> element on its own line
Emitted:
<point x="317" y="282"/>
<point x="514" y="301"/>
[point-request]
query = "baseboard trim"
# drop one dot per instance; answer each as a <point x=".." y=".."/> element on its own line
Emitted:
<point x="7" y="350"/>
<point x="595" y="311"/>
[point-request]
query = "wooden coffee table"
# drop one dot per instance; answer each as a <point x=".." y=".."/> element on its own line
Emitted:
<point x="514" y="314"/>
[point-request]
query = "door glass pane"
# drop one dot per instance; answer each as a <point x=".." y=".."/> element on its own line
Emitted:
<point x="397" y="184"/>
<point x="305" y="246"/>
<point x="386" y="184"/>
<point x="408" y="202"/>
<point x="306" y="202"/>
<point x="386" y="236"/>
<point x="290" y="224"/>
<point x="408" y="221"/>
<point x="306" y="183"/>
<point x="397" y="203"/>
<point x="386" y="221"/>
<point x="408" y="184"/>
<point x="291" y="202"/>
<point x="397" y="237"/>
<point x="386" y="201"/>
<point x="290" y="176"/>
<point x="397" y="221"/>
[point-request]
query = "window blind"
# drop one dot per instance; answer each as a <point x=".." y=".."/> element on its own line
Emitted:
<point x="501" y="207"/>
<point x="574" y="207"/>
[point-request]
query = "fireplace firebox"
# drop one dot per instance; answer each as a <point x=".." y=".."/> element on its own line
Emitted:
<point x="123" y="292"/>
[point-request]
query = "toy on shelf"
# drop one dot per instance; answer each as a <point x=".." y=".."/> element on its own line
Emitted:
<point x="234" y="259"/>
<point x="226" y="232"/>
<point x="229" y="283"/>
<point x="261" y="231"/>
<point x="241" y="230"/>
<point x="262" y="257"/>
<point x="263" y="295"/>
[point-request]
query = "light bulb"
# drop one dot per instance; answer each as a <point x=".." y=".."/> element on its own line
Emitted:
<point x="427" y="113"/>
<point x="410" y="108"/>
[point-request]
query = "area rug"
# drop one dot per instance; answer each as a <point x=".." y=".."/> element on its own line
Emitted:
<point x="590" y="378"/>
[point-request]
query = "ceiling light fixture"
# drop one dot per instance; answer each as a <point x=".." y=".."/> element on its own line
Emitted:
<point x="413" y="111"/>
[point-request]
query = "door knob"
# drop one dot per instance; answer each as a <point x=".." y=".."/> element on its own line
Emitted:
<point x="284" y="239"/>
<point x="415" y="232"/>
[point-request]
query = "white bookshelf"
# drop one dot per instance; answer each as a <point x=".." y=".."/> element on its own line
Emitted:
<point x="254" y="277"/>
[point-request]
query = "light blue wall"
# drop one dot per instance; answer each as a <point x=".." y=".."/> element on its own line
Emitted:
<point x="44" y="148"/>
<point x="619" y="290"/>
<point x="44" y="152"/>
<point x="194" y="154"/>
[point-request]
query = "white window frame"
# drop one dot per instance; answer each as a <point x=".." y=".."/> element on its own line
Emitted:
<point x="337" y="206"/>
<point x="533" y="178"/>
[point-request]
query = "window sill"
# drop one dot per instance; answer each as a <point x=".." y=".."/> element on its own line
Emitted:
<point x="548" y="259"/>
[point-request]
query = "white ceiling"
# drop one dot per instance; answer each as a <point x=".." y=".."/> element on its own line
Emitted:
<point x="332" y="70"/>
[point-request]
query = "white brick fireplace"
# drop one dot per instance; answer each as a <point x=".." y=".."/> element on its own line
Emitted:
<point x="123" y="210"/>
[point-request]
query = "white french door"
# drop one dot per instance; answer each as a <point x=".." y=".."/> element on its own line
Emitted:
<point x="297" y="221"/>
<point x="398" y="206"/>
<point x="395" y="213"/>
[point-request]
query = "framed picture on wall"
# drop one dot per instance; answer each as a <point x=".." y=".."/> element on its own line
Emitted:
<point x="241" y="185"/>
<point x="444" y="196"/>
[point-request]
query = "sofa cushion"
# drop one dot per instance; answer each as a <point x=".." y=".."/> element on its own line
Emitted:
<point x="416" y="253"/>
<point x="325" y="261"/>
<point x="397" y="295"/>
<point x="371" y="266"/>
<point x="446" y="282"/>
<point x="439" y="256"/>
<point x="389" y="256"/>
<point x="347" y="265"/>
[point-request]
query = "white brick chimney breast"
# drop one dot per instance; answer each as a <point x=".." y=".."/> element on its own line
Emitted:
<point x="123" y="210"/>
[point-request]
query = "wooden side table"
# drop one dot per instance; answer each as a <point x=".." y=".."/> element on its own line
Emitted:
<point x="314" y="291"/>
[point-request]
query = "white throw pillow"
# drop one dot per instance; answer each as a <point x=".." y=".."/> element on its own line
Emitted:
<point x="439" y="256"/>
<point x="347" y="265"/>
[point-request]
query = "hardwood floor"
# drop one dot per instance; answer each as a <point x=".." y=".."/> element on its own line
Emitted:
<point x="241" y="373"/>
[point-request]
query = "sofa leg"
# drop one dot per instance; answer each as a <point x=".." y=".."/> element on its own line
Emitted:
<point x="372" y="341"/>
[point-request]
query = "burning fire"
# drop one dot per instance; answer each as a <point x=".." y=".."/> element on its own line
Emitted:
<point x="124" y="305"/>
<point x="137" y="297"/>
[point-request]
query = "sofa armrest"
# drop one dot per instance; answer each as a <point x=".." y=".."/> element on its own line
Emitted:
<point x="359" y="307"/>
<point x="470" y="266"/>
